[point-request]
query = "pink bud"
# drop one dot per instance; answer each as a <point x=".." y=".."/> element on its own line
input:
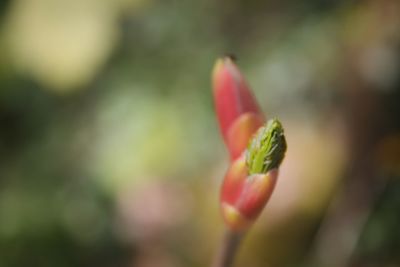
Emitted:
<point x="233" y="99"/>
<point x="243" y="197"/>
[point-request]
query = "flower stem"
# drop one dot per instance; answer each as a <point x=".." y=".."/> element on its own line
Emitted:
<point x="228" y="249"/>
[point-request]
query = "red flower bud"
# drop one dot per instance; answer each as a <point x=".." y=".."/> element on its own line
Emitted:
<point x="238" y="113"/>
<point x="251" y="178"/>
<point x="243" y="197"/>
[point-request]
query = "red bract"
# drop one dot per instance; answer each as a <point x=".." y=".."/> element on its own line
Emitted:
<point x="238" y="113"/>
<point x="243" y="197"/>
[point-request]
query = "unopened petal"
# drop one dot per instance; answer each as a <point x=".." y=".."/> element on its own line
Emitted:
<point x="242" y="129"/>
<point x="232" y="95"/>
<point x="256" y="193"/>
<point x="234" y="180"/>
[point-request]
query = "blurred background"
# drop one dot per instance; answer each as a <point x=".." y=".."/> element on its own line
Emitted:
<point x="110" y="153"/>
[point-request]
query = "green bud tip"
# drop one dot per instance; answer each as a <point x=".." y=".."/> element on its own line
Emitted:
<point x="267" y="148"/>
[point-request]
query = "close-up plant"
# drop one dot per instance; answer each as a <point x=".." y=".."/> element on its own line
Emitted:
<point x="128" y="138"/>
<point x="256" y="151"/>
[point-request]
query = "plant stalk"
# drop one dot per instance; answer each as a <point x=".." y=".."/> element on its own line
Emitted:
<point x="228" y="249"/>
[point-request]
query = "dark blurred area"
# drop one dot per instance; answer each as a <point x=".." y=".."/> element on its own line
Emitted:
<point x="110" y="153"/>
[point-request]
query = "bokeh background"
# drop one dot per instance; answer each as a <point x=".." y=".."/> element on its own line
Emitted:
<point x="110" y="153"/>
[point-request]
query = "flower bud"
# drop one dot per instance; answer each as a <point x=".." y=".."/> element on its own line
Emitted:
<point x="251" y="179"/>
<point x="238" y="113"/>
<point x="243" y="197"/>
<point x="267" y="149"/>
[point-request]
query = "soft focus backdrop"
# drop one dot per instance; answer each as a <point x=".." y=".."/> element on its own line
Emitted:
<point x="110" y="153"/>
